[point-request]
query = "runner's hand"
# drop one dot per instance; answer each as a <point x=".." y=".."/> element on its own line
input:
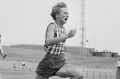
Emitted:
<point x="71" y="33"/>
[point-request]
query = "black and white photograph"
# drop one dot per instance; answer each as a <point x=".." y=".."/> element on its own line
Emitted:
<point x="59" y="39"/>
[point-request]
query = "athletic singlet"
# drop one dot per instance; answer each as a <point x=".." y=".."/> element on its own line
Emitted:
<point x="59" y="47"/>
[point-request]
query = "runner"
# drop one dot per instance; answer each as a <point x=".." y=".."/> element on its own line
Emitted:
<point x="54" y="62"/>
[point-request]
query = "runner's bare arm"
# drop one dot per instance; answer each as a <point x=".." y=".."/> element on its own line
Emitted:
<point x="50" y="40"/>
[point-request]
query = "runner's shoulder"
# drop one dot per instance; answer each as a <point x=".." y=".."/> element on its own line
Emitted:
<point x="51" y="26"/>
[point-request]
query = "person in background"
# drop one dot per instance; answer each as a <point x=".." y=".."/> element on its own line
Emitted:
<point x="1" y="49"/>
<point x="14" y="65"/>
<point x="118" y="69"/>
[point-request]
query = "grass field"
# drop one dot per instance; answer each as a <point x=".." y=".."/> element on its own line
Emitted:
<point x="92" y="67"/>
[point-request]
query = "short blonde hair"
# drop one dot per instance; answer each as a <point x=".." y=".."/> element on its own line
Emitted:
<point x="56" y="9"/>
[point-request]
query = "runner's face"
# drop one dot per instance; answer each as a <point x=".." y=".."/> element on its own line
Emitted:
<point x="63" y="15"/>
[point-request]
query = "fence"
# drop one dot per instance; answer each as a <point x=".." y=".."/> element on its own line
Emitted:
<point x="99" y="73"/>
<point x="88" y="72"/>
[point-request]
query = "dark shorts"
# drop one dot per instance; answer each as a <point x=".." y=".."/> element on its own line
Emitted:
<point x="50" y="64"/>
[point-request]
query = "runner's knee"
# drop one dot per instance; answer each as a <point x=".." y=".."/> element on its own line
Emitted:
<point x="75" y="72"/>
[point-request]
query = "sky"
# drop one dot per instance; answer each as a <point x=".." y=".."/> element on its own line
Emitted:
<point x="25" y="22"/>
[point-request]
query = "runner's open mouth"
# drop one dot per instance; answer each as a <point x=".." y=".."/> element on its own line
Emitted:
<point x="66" y="19"/>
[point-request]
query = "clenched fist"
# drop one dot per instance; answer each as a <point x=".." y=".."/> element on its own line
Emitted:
<point x="71" y="33"/>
